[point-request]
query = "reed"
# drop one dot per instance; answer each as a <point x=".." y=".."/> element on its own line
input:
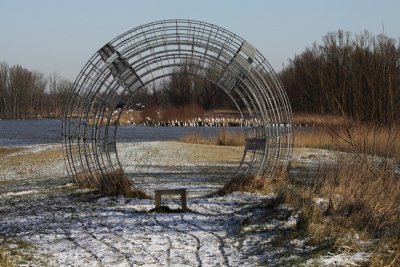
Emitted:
<point x="243" y="183"/>
<point x="195" y="138"/>
<point x="110" y="184"/>
<point x="223" y="138"/>
<point x="319" y="120"/>
<point x="361" y="139"/>
<point x="314" y="137"/>
<point x="362" y="191"/>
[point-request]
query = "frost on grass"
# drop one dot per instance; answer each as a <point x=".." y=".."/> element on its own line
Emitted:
<point x="65" y="225"/>
<point x="81" y="228"/>
<point x="342" y="259"/>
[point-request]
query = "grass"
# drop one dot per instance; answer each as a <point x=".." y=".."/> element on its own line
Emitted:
<point x="357" y="138"/>
<point x="18" y="253"/>
<point x="195" y="138"/>
<point x="314" y="137"/>
<point x="243" y="183"/>
<point x="110" y="184"/>
<point x="5" y="258"/>
<point x="369" y="139"/>
<point x="203" y="154"/>
<point x="4" y="151"/>
<point x="31" y="161"/>
<point x="223" y="138"/>
<point x="362" y="190"/>
<point x="35" y="159"/>
<point x="318" y="120"/>
<point x="361" y="200"/>
<point x="361" y="205"/>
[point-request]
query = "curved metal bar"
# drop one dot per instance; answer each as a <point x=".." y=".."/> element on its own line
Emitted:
<point x="151" y="52"/>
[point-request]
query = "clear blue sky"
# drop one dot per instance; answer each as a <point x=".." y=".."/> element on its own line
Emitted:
<point x="60" y="36"/>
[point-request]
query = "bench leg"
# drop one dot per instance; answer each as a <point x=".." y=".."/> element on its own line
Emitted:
<point x="158" y="201"/>
<point x="183" y="199"/>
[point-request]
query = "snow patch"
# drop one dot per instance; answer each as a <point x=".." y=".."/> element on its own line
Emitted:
<point x="21" y="193"/>
<point x="342" y="259"/>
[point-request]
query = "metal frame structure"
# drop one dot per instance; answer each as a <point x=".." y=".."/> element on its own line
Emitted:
<point x="155" y="51"/>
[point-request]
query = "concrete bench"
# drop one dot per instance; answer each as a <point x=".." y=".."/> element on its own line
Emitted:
<point x="178" y="191"/>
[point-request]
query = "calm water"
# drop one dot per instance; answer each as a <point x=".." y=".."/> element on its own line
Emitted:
<point x="48" y="131"/>
<point x="29" y="132"/>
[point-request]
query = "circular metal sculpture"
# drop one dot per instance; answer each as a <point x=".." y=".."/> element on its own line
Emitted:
<point x="155" y="51"/>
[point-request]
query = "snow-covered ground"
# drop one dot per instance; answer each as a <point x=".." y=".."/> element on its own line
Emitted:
<point x="64" y="225"/>
<point x="159" y="165"/>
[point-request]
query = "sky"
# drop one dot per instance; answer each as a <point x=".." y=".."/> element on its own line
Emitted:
<point x="53" y="36"/>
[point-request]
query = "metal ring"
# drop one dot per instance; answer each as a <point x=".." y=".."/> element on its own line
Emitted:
<point x="150" y="52"/>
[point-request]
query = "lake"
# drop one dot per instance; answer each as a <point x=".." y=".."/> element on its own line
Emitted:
<point x="48" y="131"/>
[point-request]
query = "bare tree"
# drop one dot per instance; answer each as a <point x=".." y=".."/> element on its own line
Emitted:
<point x="360" y="74"/>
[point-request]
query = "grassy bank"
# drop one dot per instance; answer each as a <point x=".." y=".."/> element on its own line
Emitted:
<point x="4" y="151"/>
<point x="360" y="139"/>
<point x="361" y="193"/>
<point x="223" y="138"/>
<point x="347" y="204"/>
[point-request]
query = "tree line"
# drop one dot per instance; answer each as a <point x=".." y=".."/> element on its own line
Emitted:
<point x="184" y="89"/>
<point x="353" y="75"/>
<point x="27" y="94"/>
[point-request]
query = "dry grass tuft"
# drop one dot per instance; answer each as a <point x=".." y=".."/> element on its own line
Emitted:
<point x="9" y="150"/>
<point x="369" y="196"/>
<point x="230" y="139"/>
<point x="195" y="138"/>
<point x="5" y="258"/>
<point x="223" y="138"/>
<point x="110" y="184"/>
<point x="362" y="192"/>
<point x="363" y="200"/>
<point x="245" y="183"/>
<point x="386" y="253"/>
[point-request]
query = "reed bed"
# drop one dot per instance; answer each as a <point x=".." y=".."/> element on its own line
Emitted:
<point x="319" y="120"/>
<point x="110" y="184"/>
<point x="223" y="138"/>
<point x="317" y="137"/>
<point x="361" y="192"/>
<point x="361" y="139"/>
